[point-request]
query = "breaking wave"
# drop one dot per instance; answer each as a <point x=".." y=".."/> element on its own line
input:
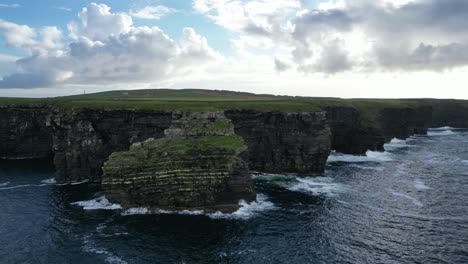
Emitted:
<point x="442" y="131"/>
<point x="246" y="210"/>
<point x="317" y="186"/>
<point x="3" y="184"/>
<point x="371" y="156"/>
<point x="49" y="181"/>
<point x="100" y="203"/>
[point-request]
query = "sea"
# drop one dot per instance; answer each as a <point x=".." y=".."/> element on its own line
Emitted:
<point x="408" y="204"/>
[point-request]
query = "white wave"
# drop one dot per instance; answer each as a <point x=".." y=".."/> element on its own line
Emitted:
<point x="441" y="133"/>
<point x="23" y="186"/>
<point x="371" y="156"/>
<point x="442" y="128"/>
<point x="136" y="211"/>
<point x="3" y="184"/>
<point x="367" y="167"/>
<point x="317" y="186"/>
<point x="420" y="185"/>
<point x="246" y="210"/>
<point x="412" y="199"/>
<point x="464" y="162"/>
<point x="90" y="247"/>
<point x="100" y="203"/>
<point x="78" y="183"/>
<point x="181" y="212"/>
<point x="398" y="143"/>
<point x="49" y="181"/>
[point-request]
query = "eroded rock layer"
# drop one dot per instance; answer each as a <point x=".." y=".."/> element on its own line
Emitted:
<point x="284" y="142"/>
<point x="197" y="165"/>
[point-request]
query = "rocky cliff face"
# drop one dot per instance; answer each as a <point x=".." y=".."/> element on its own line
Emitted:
<point x="402" y="123"/>
<point x="350" y="135"/>
<point x="23" y="132"/>
<point x="197" y="165"/>
<point x="452" y="113"/>
<point x="84" y="139"/>
<point x="284" y="142"/>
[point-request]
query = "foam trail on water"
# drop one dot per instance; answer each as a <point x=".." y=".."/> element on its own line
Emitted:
<point x="23" y="186"/>
<point x="420" y="185"/>
<point x="366" y="167"/>
<point x="3" y="184"/>
<point x="100" y="203"/>
<point x="412" y="199"/>
<point x="317" y="186"/>
<point x="90" y="247"/>
<point x="49" y="181"/>
<point x="136" y="211"/>
<point x="371" y="156"/>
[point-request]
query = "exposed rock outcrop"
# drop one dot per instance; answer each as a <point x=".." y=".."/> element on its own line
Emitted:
<point x="197" y="165"/>
<point x="351" y="134"/>
<point x="84" y="139"/>
<point x="284" y="142"/>
<point x="23" y="132"/>
<point x="453" y="113"/>
<point x="402" y="123"/>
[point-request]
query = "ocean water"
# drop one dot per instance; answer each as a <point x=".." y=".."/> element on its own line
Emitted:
<point x="406" y="205"/>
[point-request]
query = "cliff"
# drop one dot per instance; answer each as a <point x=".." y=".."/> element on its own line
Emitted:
<point x="282" y="134"/>
<point x="284" y="142"/>
<point x="83" y="139"/>
<point x="23" y="132"/>
<point x="453" y="113"/>
<point x="197" y="165"/>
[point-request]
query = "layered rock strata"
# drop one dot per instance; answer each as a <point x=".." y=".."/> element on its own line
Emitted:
<point x="197" y="165"/>
<point x="284" y="142"/>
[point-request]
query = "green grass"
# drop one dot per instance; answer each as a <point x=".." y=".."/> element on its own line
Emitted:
<point x="233" y="143"/>
<point x="212" y="100"/>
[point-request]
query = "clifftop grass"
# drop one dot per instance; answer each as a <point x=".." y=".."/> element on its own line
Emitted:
<point x="212" y="100"/>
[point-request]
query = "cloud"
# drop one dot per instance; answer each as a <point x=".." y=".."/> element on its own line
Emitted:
<point x="10" y="5"/>
<point x="152" y="12"/>
<point x="350" y="35"/>
<point x="105" y="48"/>
<point x="17" y="36"/>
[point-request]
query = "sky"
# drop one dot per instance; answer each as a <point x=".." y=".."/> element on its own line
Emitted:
<point x="333" y="48"/>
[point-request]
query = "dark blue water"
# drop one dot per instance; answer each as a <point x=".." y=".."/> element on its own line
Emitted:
<point x="407" y="205"/>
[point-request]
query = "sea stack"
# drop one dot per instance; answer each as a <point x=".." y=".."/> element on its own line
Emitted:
<point x="198" y="165"/>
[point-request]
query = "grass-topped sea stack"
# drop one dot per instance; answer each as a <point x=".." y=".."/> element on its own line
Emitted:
<point x="197" y="165"/>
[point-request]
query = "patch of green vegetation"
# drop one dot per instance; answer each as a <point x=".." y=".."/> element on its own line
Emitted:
<point x="231" y="143"/>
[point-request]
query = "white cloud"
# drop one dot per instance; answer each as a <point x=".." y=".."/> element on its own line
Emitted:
<point x="10" y="5"/>
<point x="17" y="36"/>
<point x="97" y="22"/>
<point x="105" y="49"/>
<point x="152" y="12"/>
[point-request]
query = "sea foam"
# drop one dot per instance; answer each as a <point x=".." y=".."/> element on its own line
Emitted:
<point x="420" y="185"/>
<point x="246" y="210"/>
<point x="410" y="198"/>
<point x="100" y="203"/>
<point x="371" y="156"/>
<point x="317" y="186"/>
